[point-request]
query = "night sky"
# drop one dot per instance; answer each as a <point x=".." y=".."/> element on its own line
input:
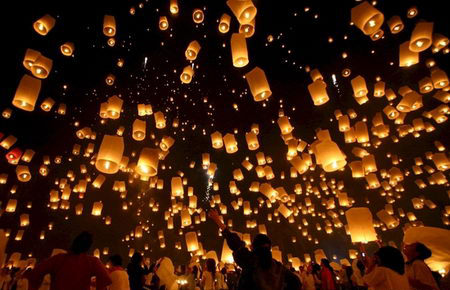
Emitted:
<point x="290" y="38"/>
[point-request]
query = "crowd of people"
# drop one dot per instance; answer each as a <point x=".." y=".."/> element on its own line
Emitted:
<point x="255" y="269"/>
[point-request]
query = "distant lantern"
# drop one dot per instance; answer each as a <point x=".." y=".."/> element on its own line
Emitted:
<point x="27" y="93"/>
<point x="163" y="23"/>
<point x="391" y="112"/>
<point x="412" y="12"/>
<point x="379" y="89"/>
<point x="425" y="85"/>
<point x="245" y="11"/>
<point x="191" y="241"/>
<point x="360" y="225"/>
<point x="173" y="7"/>
<point x="147" y="165"/>
<point x="109" y="25"/>
<point x="407" y="57"/>
<point x="230" y="142"/>
<point x="110" y="79"/>
<point x="187" y="74"/>
<point x="160" y="120"/>
<point x="224" y="23"/>
<point x="47" y="104"/>
<point x="344" y="123"/>
<point x="359" y="87"/>
<point x="252" y="140"/>
<point x="439" y="78"/>
<point x="139" y="130"/>
<point x="361" y="132"/>
<point x="23" y="173"/>
<point x="421" y="37"/>
<point x="44" y="24"/>
<point x="176" y="185"/>
<point x="377" y="35"/>
<point x="67" y="48"/>
<point x="216" y="140"/>
<point x="198" y="16"/>
<point x="110" y="154"/>
<point x="114" y="107"/>
<point x="185" y="218"/>
<point x="30" y="57"/>
<point x="97" y="208"/>
<point x="166" y="143"/>
<point x="318" y="92"/>
<point x="440" y="41"/>
<point x="367" y="18"/>
<point x="192" y="50"/>
<point x="395" y="24"/>
<point x="41" y="67"/>
<point x="239" y="53"/>
<point x="258" y="84"/>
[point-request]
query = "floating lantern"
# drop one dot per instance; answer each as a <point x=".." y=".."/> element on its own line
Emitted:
<point x="191" y="241"/>
<point x="173" y="7"/>
<point x="421" y="37"/>
<point x="110" y="154"/>
<point x="109" y="25"/>
<point x="163" y="23"/>
<point x="147" y="165"/>
<point x="216" y="140"/>
<point x="258" y="84"/>
<point x="177" y="186"/>
<point x="360" y="225"/>
<point x="97" y="208"/>
<point x="252" y="141"/>
<point x="367" y="18"/>
<point x="166" y="143"/>
<point x="47" y="104"/>
<point x="187" y="74"/>
<point x="67" y="48"/>
<point x="318" y="92"/>
<point x="224" y="23"/>
<point x="114" y="107"/>
<point x="27" y="93"/>
<point x="359" y="87"/>
<point x="244" y="11"/>
<point x="23" y="173"/>
<point x="139" y="130"/>
<point x="285" y="125"/>
<point x="30" y="57"/>
<point x="329" y="155"/>
<point x="230" y="143"/>
<point x="192" y="50"/>
<point x="44" y="24"/>
<point x="439" y="78"/>
<point x="395" y="24"/>
<point x="407" y="57"/>
<point x="239" y="53"/>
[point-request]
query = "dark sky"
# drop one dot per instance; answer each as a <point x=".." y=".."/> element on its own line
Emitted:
<point x="206" y="105"/>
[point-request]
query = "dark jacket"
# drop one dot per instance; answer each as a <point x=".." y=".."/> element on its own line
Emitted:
<point x="276" y="277"/>
<point x="136" y="274"/>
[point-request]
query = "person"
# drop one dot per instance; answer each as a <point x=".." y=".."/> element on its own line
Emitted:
<point x="72" y="270"/>
<point x="136" y="273"/>
<point x="386" y="270"/>
<point x="5" y="278"/>
<point x="259" y="269"/>
<point x="358" y="273"/>
<point x="308" y="281"/>
<point x="221" y="281"/>
<point x="316" y="275"/>
<point x="419" y="274"/>
<point x="209" y="275"/>
<point x="327" y="276"/>
<point x="118" y="275"/>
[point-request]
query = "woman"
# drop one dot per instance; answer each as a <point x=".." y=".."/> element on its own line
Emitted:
<point x="308" y="281"/>
<point x="386" y="270"/>
<point x="136" y="272"/>
<point x="209" y="275"/>
<point x="118" y="275"/>
<point x="418" y="273"/>
<point x="327" y="276"/>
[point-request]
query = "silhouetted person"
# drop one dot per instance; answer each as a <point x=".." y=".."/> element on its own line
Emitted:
<point x="209" y="275"/>
<point x="386" y="270"/>
<point x="419" y="274"/>
<point x="118" y="275"/>
<point x="327" y="276"/>
<point x="259" y="270"/>
<point x="73" y="270"/>
<point x="136" y="272"/>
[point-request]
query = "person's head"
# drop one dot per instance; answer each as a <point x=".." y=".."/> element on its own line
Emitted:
<point x="211" y="265"/>
<point x="116" y="260"/>
<point x="136" y="259"/>
<point x="309" y="269"/>
<point x="82" y="243"/>
<point x="391" y="258"/>
<point x="416" y="251"/>
<point x="262" y="247"/>
<point x="223" y="271"/>
<point x="360" y="266"/>
<point x="325" y="263"/>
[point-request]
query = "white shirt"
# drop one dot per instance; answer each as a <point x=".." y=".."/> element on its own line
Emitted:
<point x="308" y="281"/>
<point x="382" y="278"/>
<point x="209" y="283"/>
<point x="119" y="280"/>
<point x="418" y="270"/>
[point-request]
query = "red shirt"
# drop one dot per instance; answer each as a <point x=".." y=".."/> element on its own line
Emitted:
<point x="70" y="272"/>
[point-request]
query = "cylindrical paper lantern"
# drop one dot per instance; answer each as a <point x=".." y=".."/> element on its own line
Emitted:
<point x="147" y="165"/>
<point x="191" y="241"/>
<point x="230" y="143"/>
<point x="252" y="140"/>
<point x="239" y="53"/>
<point x="224" y="23"/>
<point x="110" y="154"/>
<point x="258" y="84"/>
<point x="44" y="24"/>
<point x="395" y="24"/>
<point x="27" y="93"/>
<point x="187" y="74"/>
<point x="244" y="10"/>
<point x="421" y="37"/>
<point x="109" y="25"/>
<point x="318" y="92"/>
<point x="67" y="48"/>
<point x="407" y="57"/>
<point x="216" y="140"/>
<point x="192" y="50"/>
<point x="160" y="120"/>
<point x="163" y="23"/>
<point x="367" y="18"/>
<point x="139" y="130"/>
<point x="360" y="225"/>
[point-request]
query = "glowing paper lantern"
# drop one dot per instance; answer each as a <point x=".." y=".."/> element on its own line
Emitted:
<point x="239" y="53"/>
<point x="329" y="155"/>
<point x="318" y="92"/>
<point x="177" y="186"/>
<point x="114" y="107"/>
<point x="97" y="208"/>
<point x="27" y="93"/>
<point x="244" y="11"/>
<point x="258" y="84"/>
<point x="390" y="221"/>
<point x="185" y="218"/>
<point x="230" y="143"/>
<point x="163" y="23"/>
<point x="198" y="16"/>
<point x="23" y="173"/>
<point x="30" y="57"/>
<point x="216" y="140"/>
<point x="360" y="225"/>
<point x="166" y="143"/>
<point x="147" y="165"/>
<point x="439" y="78"/>
<point x="47" y="104"/>
<point x="252" y="140"/>
<point x="192" y="50"/>
<point x="67" y="48"/>
<point x="187" y="74"/>
<point x="407" y="57"/>
<point x="224" y="23"/>
<point x="395" y="24"/>
<point x="44" y="24"/>
<point x="421" y="37"/>
<point x="285" y="125"/>
<point x="367" y="18"/>
<point x="173" y="7"/>
<point x="110" y="154"/>
<point x="109" y="25"/>
<point x="359" y="87"/>
<point x="139" y="130"/>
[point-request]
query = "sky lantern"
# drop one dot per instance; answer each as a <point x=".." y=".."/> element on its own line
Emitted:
<point x="407" y="57"/>
<point x="421" y="37"/>
<point x="110" y="154"/>
<point x="187" y="74"/>
<point x="198" y="16"/>
<point x="97" y="208"/>
<point x="163" y="23"/>
<point x="166" y="143"/>
<point x="318" y="92"/>
<point x="67" y="48"/>
<point x="147" y="165"/>
<point x="191" y="241"/>
<point x="439" y="78"/>
<point x="367" y="18"/>
<point x="360" y="225"/>
<point x="285" y="125"/>
<point x="30" y="57"/>
<point x="395" y="24"/>
<point x="252" y="141"/>
<point x="248" y="29"/>
<point x="361" y="132"/>
<point x="114" y="107"/>
<point x="239" y="53"/>
<point x="258" y="84"/>
<point x="139" y="130"/>
<point x="23" y="173"/>
<point x="173" y="7"/>
<point x="160" y="120"/>
<point x="224" y="23"/>
<point x="27" y="93"/>
<point x="192" y="50"/>
<point x="44" y="24"/>
<point x="329" y="155"/>
<point x="359" y="87"/>
<point x="47" y="104"/>
<point x="216" y="140"/>
<point x="244" y="11"/>
<point x="109" y="25"/>
<point x="230" y="142"/>
<point x="177" y="186"/>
